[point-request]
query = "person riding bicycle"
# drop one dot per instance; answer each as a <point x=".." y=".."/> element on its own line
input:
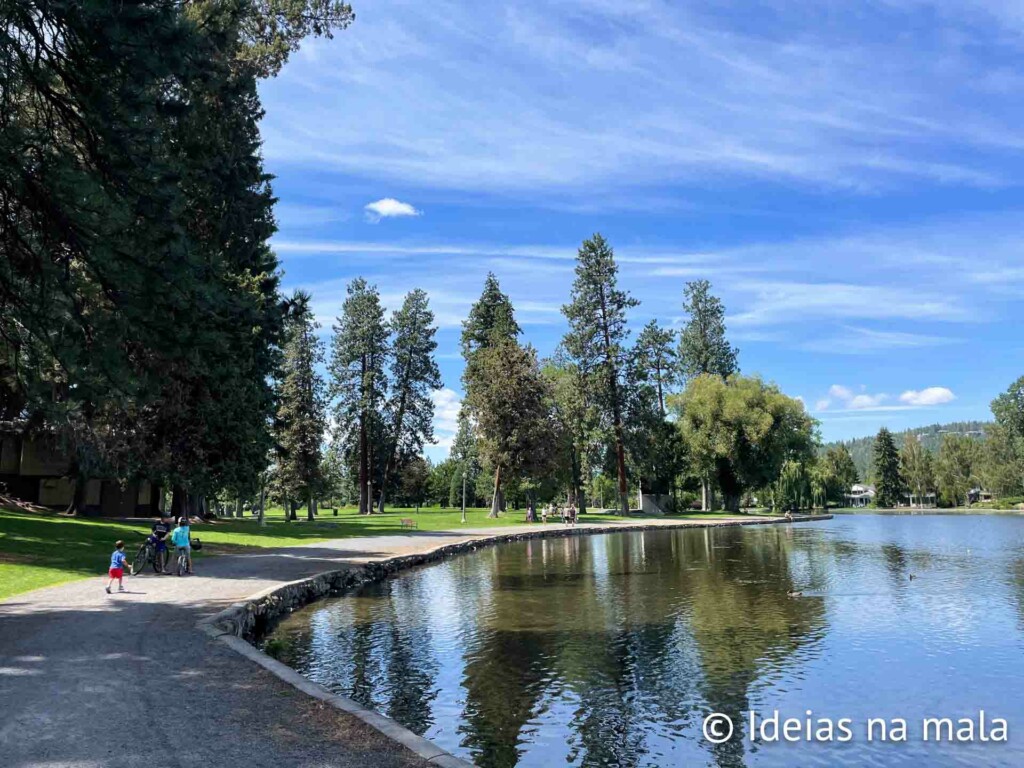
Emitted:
<point x="181" y="540"/>
<point x="158" y="538"/>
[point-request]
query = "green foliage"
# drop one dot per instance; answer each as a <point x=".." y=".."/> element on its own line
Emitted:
<point x="837" y="472"/>
<point x="741" y="431"/>
<point x="956" y="469"/>
<point x="511" y="401"/>
<point x="301" y="412"/>
<point x="703" y="348"/>
<point x="655" y="361"/>
<point x="414" y="377"/>
<point x="888" y="480"/>
<point x="359" y="350"/>
<point x="597" y="341"/>
<point x="930" y="437"/>
<point x="917" y="468"/>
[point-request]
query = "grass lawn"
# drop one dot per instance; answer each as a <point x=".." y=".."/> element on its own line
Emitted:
<point x="39" y="550"/>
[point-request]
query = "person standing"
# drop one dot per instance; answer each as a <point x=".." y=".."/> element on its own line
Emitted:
<point x="118" y="560"/>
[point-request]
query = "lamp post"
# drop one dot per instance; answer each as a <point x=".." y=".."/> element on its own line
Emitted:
<point x="463" y="496"/>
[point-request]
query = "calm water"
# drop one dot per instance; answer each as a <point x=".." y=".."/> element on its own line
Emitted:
<point x="610" y="650"/>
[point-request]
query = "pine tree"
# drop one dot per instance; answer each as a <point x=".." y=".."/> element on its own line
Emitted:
<point x="491" y="323"/>
<point x="655" y="360"/>
<point x="357" y="387"/>
<point x="703" y="348"/>
<point x="414" y="377"/>
<point x="888" y="481"/>
<point x="511" y="403"/>
<point x="301" y="412"/>
<point x="465" y="453"/>
<point x="597" y="340"/>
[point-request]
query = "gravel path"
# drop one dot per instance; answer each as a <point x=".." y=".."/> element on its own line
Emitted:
<point x="89" y="679"/>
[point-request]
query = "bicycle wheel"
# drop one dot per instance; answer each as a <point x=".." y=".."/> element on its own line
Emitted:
<point x="182" y="564"/>
<point x="141" y="558"/>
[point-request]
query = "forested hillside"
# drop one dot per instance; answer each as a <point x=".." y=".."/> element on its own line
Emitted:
<point x="930" y="437"/>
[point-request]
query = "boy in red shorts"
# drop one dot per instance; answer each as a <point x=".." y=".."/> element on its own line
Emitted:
<point x="117" y="564"/>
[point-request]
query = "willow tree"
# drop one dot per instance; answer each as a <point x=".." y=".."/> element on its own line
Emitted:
<point x="414" y="377"/>
<point x="491" y="323"/>
<point x="357" y="383"/>
<point x="598" y="341"/>
<point x="741" y="431"/>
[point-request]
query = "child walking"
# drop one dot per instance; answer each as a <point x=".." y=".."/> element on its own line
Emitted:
<point x="117" y="563"/>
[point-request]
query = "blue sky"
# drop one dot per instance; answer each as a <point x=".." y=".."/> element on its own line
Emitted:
<point x="845" y="173"/>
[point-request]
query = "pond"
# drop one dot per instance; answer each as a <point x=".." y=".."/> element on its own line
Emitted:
<point x="610" y="650"/>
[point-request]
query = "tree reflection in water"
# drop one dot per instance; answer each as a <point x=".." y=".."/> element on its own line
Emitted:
<point x="610" y="650"/>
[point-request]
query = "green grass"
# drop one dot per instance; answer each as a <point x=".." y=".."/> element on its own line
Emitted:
<point x="40" y="550"/>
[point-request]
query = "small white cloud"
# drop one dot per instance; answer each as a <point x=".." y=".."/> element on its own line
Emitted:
<point x="388" y="208"/>
<point x="840" y="392"/>
<point x="865" y="401"/>
<point x="928" y="396"/>
<point x="845" y="398"/>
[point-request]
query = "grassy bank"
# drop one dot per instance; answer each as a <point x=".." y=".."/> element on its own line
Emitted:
<point x="39" y="550"/>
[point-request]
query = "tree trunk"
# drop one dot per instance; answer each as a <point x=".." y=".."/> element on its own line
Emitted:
<point x="732" y="502"/>
<point x="263" y="501"/>
<point x="77" y="506"/>
<point x="179" y="505"/>
<point x="310" y="516"/>
<point x="496" y="500"/>
<point x="363" y="465"/>
<point x="156" y="493"/>
<point x="392" y="457"/>
<point x="238" y="507"/>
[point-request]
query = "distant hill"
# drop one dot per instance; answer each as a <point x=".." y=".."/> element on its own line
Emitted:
<point x="860" y="448"/>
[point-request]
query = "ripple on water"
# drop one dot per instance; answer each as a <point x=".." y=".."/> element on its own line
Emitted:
<point x="609" y="650"/>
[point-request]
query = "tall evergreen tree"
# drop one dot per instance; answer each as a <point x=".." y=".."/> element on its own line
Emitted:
<point x="598" y="338"/>
<point x="414" y="377"/>
<point x="465" y="453"/>
<point x="656" y="360"/>
<point x="511" y="402"/>
<point x="703" y="348"/>
<point x="491" y="322"/>
<point x="357" y="385"/>
<point x="889" y="482"/>
<point x="301" y="412"/>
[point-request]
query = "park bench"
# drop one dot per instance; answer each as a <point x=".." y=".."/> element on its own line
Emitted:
<point x="408" y="522"/>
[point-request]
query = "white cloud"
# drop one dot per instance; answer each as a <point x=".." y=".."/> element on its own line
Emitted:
<point x="446" y="416"/>
<point x="848" y="400"/>
<point x="387" y="208"/>
<point x="844" y="397"/>
<point x="928" y="396"/>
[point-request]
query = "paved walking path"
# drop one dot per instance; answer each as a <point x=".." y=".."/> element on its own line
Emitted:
<point x="89" y="679"/>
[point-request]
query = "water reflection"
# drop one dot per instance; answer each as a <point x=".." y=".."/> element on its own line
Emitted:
<point x="609" y="650"/>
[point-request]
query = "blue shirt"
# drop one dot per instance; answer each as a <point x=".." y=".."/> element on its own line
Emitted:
<point x="180" y="536"/>
<point x="117" y="559"/>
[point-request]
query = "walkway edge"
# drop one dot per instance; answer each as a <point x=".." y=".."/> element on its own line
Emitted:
<point x="249" y="617"/>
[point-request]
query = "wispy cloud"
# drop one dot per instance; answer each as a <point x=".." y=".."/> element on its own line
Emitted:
<point x="665" y="92"/>
<point x="851" y="340"/>
<point x="389" y="208"/>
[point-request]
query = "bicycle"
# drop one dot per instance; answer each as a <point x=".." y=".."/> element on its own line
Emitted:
<point x="148" y="554"/>
<point x="183" y="556"/>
